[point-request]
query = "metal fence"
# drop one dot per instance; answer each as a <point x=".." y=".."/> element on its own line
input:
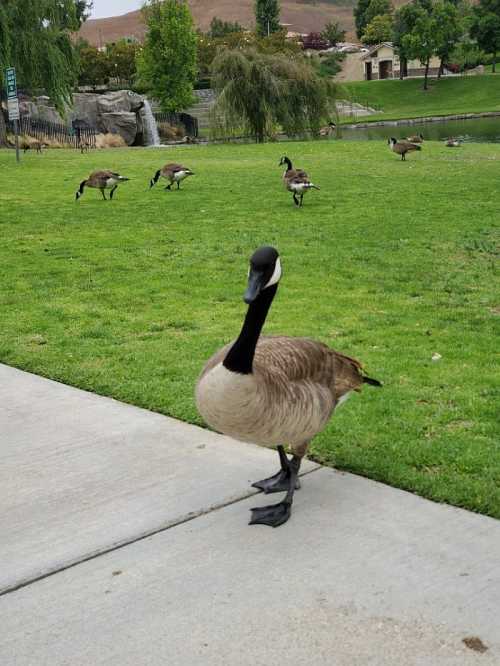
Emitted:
<point x="190" y="123"/>
<point x="43" y="130"/>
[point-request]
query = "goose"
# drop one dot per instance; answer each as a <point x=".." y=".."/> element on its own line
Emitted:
<point x="452" y="143"/>
<point x="174" y="173"/>
<point x="416" y="138"/>
<point x="274" y="390"/>
<point x="33" y="145"/>
<point x="328" y="130"/>
<point x="296" y="181"/>
<point x="402" y="147"/>
<point x="84" y="145"/>
<point x="102" y="180"/>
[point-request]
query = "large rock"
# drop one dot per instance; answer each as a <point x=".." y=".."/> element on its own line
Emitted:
<point x="120" y="122"/>
<point x="41" y="109"/>
<point x="85" y="108"/>
<point x="121" y="100"/>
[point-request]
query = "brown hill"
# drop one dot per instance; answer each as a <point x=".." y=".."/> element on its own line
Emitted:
<point x="302" y="15"/>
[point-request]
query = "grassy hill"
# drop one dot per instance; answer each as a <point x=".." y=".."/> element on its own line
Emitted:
<point x="407" y="99"/>
<point x="301" y="15"/>
<point x="392" y="262"/>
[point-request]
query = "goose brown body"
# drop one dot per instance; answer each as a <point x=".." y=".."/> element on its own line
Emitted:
<point x="102" y="180"/>
<point x="288" y="398"/>
<point x="296" y="181"/>
<point x="174" y="173"/>
<point x="402" y="147"/>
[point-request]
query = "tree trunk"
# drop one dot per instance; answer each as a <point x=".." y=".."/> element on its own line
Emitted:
<point x="441" y="68"/>
<point x="493" y="64"/>
<point x="426" y="74"/>
<point x="402" y="62"/>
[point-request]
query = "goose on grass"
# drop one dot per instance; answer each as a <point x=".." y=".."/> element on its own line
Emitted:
<point x="101" y="180"/>
<point x="274" y="391"/>
<point x="296" y="181"/>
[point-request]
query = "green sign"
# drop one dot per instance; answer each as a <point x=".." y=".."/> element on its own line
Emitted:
<point x="10" y="78"/>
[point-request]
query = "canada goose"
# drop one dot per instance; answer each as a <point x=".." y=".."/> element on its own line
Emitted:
<point x="33" y="145"/>
<point x="174" y="173"/>
<point x="274" y="390"/>
<point x="416" y="138"/>
<point x="296" y="181"/>
<point x="328" y="130"/>
<point x="102" y="180"/>
<point x="452" y="143"/>
<point x="402" y="147"/>
<point x="84" y="145"/>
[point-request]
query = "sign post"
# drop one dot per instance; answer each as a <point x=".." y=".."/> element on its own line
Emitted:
<point x="13" y="103"/>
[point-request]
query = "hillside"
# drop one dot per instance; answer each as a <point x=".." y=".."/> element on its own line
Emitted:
<point x="302" y="15"/>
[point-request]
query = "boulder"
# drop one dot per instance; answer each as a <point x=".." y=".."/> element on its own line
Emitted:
<point x="120" y="122"/>
<point x="121" y="100"/>
<point x="41" y="109"/>
<point x="85" y="108"/>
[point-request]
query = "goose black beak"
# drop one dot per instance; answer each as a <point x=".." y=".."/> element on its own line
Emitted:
<point x="254" y="287"/>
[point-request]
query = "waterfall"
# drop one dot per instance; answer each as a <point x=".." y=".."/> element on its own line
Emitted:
<point x="151" y="136"/>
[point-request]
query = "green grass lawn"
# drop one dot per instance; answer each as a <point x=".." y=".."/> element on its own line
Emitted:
<point x="407" y="99"/>
<point x="391" y="262"/>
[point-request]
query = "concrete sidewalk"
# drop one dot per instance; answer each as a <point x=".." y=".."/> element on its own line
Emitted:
<point x="124" y="541"/>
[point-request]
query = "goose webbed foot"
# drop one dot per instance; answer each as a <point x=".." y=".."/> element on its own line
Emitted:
<point x="279" y="482"/>
<point x="273" y="515"/>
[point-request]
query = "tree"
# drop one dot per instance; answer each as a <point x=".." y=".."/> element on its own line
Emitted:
<point x="267" y="16"/>
<point x="94" y="67"/>
<point x="448" y="28"/>
<point x="378" y="30"/>
<point x="404" y="22"/>
<point x="422" y="41"/>
<point x="166" y="65"/>
<point x="257" y="92"/>
<point x="121" y="57"/>
<point x="220" y="28"/>
<point x="366" y="10"/>
<point x="485" y="28"/>
<point x="333" y="33"/>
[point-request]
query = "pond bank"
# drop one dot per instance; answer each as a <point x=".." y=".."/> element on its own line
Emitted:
<point x="421" y="120"/>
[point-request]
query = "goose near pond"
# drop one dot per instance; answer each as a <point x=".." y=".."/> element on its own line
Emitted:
<point x="415" y="138"/>
<point x="101" y="180"/>
<point x="174" y="173"/>
<point x="274" y="391"/>
<point x="296" y="181"/>
<point x="402" y="147"/>
<point x="452" y="143"/>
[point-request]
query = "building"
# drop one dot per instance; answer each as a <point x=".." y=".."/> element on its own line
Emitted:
<point x="382" y="62"/>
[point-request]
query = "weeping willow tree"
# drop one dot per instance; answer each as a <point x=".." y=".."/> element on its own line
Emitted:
<point x="35" y="39"/>
<point x="256" y="92"/>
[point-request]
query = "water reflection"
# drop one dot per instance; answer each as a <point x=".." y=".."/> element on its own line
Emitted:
<point x="481" y="130"/>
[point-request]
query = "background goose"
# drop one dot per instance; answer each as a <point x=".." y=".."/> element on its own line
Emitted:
<point x="102" y="180"/>
<point x="296" y="181"/>
<point x="452" y="143"/>
<point x="328" y="130"/>
<point x="402" y="147"/>
<point x="174" y="173"/>
<point x="274" y="390"/>
<point x="416" y="138"/>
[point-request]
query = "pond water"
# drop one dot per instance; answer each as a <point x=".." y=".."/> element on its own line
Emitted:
<point x="480" y="130"/>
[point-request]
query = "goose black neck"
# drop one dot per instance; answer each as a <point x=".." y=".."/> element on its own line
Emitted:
<point x="288" y="162"/>
<point x="240" y="357"/>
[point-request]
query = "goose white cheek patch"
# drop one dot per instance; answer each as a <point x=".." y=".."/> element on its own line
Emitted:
<point x="276" y="274"/>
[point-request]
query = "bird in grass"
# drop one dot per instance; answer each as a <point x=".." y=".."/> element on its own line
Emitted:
<point x="274" y="390"/>
<point x="101" y="180"/>
<point x="296" y="181"/>
<point x="174" y="173"/>
<point x="402" y="147"/>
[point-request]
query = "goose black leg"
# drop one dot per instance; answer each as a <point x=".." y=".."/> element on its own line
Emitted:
<point x="301" y="198"/>
<point x="280" y="481"/>
<point x="275" y="515"/>
<point x="112" y="191"/>
<point x="178" y="184"/>
<point x="295" y="199"/>
<point x="169" y="187"/>
<point x="103" y="195"/>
